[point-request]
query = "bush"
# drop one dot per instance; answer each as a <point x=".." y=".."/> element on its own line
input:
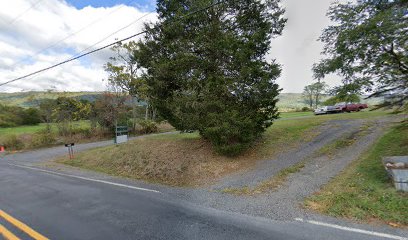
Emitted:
<point x="11" y="142"/>
<point x="148" y="126"/>
<point x="306" y="109"/>
<point x="31" y="116"/>
<point x="231" y="133"/>
<point x="42" y="138"/>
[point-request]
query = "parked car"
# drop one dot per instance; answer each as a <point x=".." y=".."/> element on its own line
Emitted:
<point x="340" y="107"/>
<point x="350" y="107"/>
<point x="320" y="111"/>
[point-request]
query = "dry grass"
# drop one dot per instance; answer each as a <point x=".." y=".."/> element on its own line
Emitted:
<point x="186" y="159"/>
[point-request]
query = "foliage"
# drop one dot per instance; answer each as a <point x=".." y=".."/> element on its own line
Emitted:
<point x="312" y="93"/>
<point x="148" y="126"/>
<point x="123" y="71"/>
<point x="110" y="109"/>
<point x="42" y="138"/>
<point x="12" y="116"/>
<point x="31" y="116"/>
<point x="11" y="142"/>
<point x="207" y="71"/>
<point x="339" y="98"/>
<point x="368" y="47"/>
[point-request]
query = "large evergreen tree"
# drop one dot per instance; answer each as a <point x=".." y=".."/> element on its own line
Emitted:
<point x="368" y="47"/>
<point x="206" y="69"/>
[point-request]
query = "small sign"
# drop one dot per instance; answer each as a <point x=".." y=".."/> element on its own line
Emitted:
<point x="121" y="134"/>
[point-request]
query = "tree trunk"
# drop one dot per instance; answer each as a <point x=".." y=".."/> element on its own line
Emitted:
<point x="147" y="112"/>
<point x="134" y="112"/>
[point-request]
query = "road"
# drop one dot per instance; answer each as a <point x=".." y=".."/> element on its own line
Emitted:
<point x="68" y="206"/>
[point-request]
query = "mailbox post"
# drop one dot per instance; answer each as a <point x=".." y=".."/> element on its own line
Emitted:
<point x="70" y="149"/>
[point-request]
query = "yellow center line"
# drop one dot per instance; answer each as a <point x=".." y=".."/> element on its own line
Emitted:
<point x="22" y="226"/>
<point x="7" y="234"/>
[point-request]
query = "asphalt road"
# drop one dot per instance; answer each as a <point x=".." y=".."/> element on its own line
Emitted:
<point x="66" y="207"/>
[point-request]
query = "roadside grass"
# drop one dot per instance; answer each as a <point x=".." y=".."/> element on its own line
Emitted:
<point x="363" y="191"/>
<point x="187" y="159"/>
<point x="30" y="137"/>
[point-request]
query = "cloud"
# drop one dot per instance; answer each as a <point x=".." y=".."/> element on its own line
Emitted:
<point x="297" y="49"/>
<point x="46" y="24"/>
<point x="52" y="20"/>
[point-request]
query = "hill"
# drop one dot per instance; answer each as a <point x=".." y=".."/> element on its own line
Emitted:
<point x="287" y="101"/>
<point x="29" y="99"/>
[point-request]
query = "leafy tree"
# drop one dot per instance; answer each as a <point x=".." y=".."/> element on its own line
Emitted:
<point x="206" y="70"/>
<point x="367" y="45"/>
<point x="110" y="109"/>
<point x="124" y="74"/>
<point x="47" y="107"/>
<point x="31" y="116"/>
<point x="313" y="92"/>
<point x="339" y="98"/>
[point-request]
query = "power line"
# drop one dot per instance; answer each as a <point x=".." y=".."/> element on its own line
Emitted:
<point x="106" y="46"/>
<point x="73" y="33"/>
<point x="93" y="45"/>
<point x="24" y="12"/>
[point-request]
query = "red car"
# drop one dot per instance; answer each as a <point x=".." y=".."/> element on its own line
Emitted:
<point x="350" y="107"/>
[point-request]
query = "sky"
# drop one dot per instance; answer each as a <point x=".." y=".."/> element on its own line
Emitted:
<point x="35" y="34"/>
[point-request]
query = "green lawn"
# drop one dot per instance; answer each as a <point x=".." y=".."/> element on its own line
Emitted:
<point x="36" y="128"/>
<point x="363" y="191"/>
<point x="284" y="115"/>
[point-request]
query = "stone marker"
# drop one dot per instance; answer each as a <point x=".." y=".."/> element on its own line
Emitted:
<point x="397" y="168"/>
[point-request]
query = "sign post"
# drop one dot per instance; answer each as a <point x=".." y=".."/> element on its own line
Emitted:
<point x="121" y="134"/>
<point x="70" y="150"/>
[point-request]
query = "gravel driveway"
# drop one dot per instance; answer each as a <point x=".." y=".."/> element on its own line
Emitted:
<point x="281" y="204"/>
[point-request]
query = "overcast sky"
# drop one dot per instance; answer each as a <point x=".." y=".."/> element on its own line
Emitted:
<point x="38" y="33"/>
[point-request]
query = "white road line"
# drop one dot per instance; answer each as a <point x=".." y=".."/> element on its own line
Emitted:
<point x="377" y="234"/>
<point x="86" y="179"/>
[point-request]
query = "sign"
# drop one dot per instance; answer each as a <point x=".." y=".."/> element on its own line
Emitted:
<point x="121" y="134"/>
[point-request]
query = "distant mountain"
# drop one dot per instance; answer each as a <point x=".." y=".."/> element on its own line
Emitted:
<point x="287" y="101"/>
<point x="29" y="99"/>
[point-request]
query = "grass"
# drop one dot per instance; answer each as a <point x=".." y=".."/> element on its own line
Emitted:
<point x="363" y="191"/>
<point x="267" y="185"/>
<point x="188" y="160"/>
<point x="285" y="115"/>
<point x="343" y="142"/>
<point x="36" y="128"/>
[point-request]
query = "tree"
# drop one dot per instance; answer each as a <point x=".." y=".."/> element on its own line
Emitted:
<point x="206" y="69"/>
<point x="31" y="116"/>
<point x="110" y="109"/>
<point x="368" y="47"/>
<point x="123" y="70"/>
<point x="313" y="92"/>
<point x="46" y="111"/>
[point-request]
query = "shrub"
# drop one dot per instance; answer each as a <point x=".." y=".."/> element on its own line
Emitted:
<point x="42" y="138"/>
<point x="11" y="142"/>
<point x="31" y="116"/>
<point x="306" y="109"/>
<point x="148" y="126"/>
<point x="231" y="133"/>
